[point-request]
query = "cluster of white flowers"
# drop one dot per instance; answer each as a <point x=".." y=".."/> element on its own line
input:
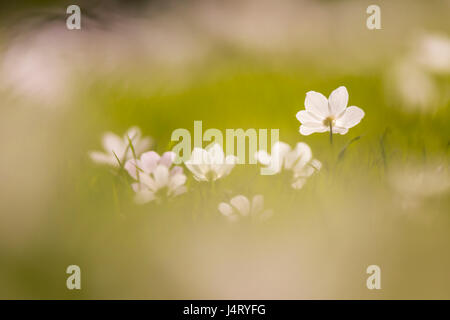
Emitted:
<point x="298" y="160"/>
<point x="155" y="177"/>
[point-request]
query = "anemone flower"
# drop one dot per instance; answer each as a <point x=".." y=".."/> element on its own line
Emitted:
<point x="298" y="160"/>
<point x="119" y="149"/>
<point x="241" y="207"/>
<point x="155" y="177"/>
<point x="332" y="114"/>
<point x="210" y="164"/>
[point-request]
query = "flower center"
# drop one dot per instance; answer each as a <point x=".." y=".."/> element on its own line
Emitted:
<point x="329" y="121"/>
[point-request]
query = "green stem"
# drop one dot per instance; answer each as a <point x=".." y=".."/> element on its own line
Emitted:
<point x="331" y="133"/>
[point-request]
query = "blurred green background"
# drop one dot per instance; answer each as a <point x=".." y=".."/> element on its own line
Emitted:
<point x="382" y="199"/>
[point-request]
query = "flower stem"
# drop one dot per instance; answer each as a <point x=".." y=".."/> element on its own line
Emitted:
<point x="331" y="133"/>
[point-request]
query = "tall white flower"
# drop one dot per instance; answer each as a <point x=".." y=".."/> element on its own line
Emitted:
<point x="155" y="177"/>
<point x="115" y="145"/>
<point x="298" y="160"/>
<point x="240" y="206"/>
<point x="332" y="114"/>
<point x="211" y="164"/>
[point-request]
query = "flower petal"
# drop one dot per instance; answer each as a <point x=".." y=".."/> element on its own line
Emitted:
<point x="225" y="209"/>
<point x="299" y="157"/>
<point x="340" y="130"/>
<point x="215" y="154"/>
<point x="176" y="181"/>
<point x="132" y="168"/>
<point x="196" y="170"/>
<point x="167" y="158"/>
<point x="103" y="158"/>
<point x="161" y="176"/>
<point x="338" y="101"/>
<point x="307" y="129"/>
<point x="317" y="104"/>
<point x="113" y="143"/>
<point x="149" y="161"/>
<point x="263" y="157"/>
<point x="144" y="196"/>
<point x="351" y="117"/>
<point x="257" y="204"/>
<point x="305" y="117"/>
<point x="242" y="204"/>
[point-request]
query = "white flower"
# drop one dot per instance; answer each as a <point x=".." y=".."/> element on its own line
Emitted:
<point x="298" y="160"/>
<point x="240" y="206"/>
<point x="211" y="164"/>
<point x="414" y="183"/>
<point x="322" y="113"/>
<point x="433" y="52"/>
<point x="155" y="177"/>
<point x="411" y="87"/>
<point x="120" y="147"/>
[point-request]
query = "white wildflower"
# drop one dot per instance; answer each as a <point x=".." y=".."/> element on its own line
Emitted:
<point x="211" y="164"/>
<point x="332" y="114"/>
<point x="298" y="160"/>
<point x="155" y="178"/>
<point x="240" y="206"/>
<point x="118" y="148"/>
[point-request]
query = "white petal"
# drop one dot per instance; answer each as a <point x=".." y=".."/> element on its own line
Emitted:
<point x="310" y="128"/>
<point x="198" y="156"/>
<point x="301" y="155"/>
<point x="176" y="170"/>
<point x="112" y="142"/>
<point x="149" y="160"/>
<point x="142" y="145"/>
<point x="148" y="182"/>
<point x="279" y="152"/>
<point x="178" y="191"/>
<point x="338" y="101"/>
<point x="257" y="204"/>
<point x="196" y="170"/>
<point x="176" y="181"/>
<point x="216" y="155"/>
<point x="263" y="157"/>
<point x="134" y="133"/>
<point x="316" y="164"/>
<point x="317" y="104"/>
<point x="340" y="130"/>
<point x="161" y="176"/>
<point x="306" y="117"/>
<point x="225" y="209"/>
<point x="144" y="196"/>
<point x="299" y="183"/>
<point x="103" y="158"/>
<point x="132" y="168"/>
<point x="167" y="158"/>
<point x="242" y="204"/>
<point x="351" y="117"/>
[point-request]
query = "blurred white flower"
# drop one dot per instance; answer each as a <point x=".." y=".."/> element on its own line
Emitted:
<point x="414" y="89"/>
<point x="240" y="207"/>
<point x="414" y="183"/>
<point x="148" y="163"/>
<point x="154" y="176"/>
<point x="323" y="114"/>
<point x="115" y="145"/>
<point x="433" y="53"/>
<point x="211" y="164"/>
<point x="298" y="160"/>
